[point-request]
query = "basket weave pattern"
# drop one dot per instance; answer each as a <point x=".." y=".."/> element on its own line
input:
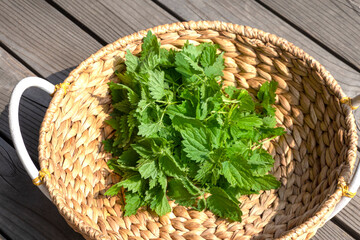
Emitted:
<point x="317" y="153"/>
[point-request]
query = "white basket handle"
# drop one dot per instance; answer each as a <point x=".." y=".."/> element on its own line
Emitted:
<point x="355" y="182"/>
<point x="15" y="127"/>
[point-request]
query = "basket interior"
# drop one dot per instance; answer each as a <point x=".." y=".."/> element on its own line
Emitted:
<point x="309" y="159"/>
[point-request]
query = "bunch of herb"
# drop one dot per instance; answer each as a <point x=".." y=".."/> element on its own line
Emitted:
<point x="179" y="135"/>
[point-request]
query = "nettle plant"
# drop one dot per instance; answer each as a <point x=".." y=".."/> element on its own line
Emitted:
<point x="180" y="135"/>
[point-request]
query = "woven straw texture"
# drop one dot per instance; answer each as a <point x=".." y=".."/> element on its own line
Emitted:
<point x="311" y="160"/>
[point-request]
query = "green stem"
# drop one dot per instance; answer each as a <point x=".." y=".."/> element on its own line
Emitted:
<point x="258" y="145"/>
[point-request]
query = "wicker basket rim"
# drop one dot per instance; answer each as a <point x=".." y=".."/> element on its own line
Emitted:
<point x="310" y="224"/>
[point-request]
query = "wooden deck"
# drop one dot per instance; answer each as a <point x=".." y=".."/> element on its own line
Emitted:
<point x="49" y="38"/>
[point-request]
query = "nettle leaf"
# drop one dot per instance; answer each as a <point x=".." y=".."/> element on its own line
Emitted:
<point x="148" y="169"/>
<point x="246" y="122"/>
<point x="269" y="122"/>
<point x="182" y="65"/>
<point x="237" y="174"/>
<point x="132" y="62"/>
<point x="156" y="84"/>
<point x="148" y="129"/>
<point x="169" y="166"/>
<point x="196" y="143"/>
<point x="157" y="200"/>
<point x="128" y="158"/>
<point x="216" y="69"/>
<point x="150" y="45"/>
<point x="246" y="103"/>
<point x="133" y="203"/>
<point x="204" y="173"/>
<point x="223" y="205"/>
<point x="271" y="132"/>
<point x="237" y="150"/>
<point x="132" y="96"/>
<point x="114" y="189"/>
<point x="192" y="51"/>
<point x="208" y="56"/>
<point x="260" y="157"/>
<point x="180" y="194"/>
<point x="267" y="92"/>
<point x="134" y="183"/>
<point x="266" y="182"/>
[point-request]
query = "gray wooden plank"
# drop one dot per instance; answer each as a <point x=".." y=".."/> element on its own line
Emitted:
<point x="335" y="23"/>
<point x="25" y="213"/>
<point x="331" y="231"/>
<point x="111" y="20"/>
<point x="30" y="113"/>
<point x="349" y="217"/>
<point x="11" y="71"/>
<point x="43" y="37"/>
<point x="252" y="14"/>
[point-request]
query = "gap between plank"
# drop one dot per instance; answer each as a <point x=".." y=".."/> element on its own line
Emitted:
<point x="77" y="22"/>
<point x="301" y="30"/>
<point x="344" y="227"/>
<point x="168" y="10"/>
<point x="19" y="59"/>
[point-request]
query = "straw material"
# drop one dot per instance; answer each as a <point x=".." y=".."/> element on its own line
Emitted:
<point x="311" y="160"/>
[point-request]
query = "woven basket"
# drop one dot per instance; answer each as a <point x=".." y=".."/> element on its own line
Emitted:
<point x="315" y="156"/>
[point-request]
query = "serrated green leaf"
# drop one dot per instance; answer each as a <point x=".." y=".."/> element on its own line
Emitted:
<point x="133" y="203"/>
<point x="158" y="201"/>
<point x="269" y="122"/>
<point x="237" y="150"/>
<point x="134" y="183"/>
<point x="180" y="194"/>
<point x="114" y="189"/>
<point x="162" y="180"/>
<point x="261" y="157"/>
<point x="208" y="56"/>
<point x="222" y="205"/>
<point x="123" y="106"/>
<point x="150" y="45"/>
<point x="204" y="173"/>
<point x="216" y="69"/>
<point x="237" y="175"/>
<point x="190" y="186"/>
<point x="150" y="63"/>
<point x="271" y="132"/>
<point x="156" y="84"/>
<point x="246" y="122"/>
<point x="148" y="169"/>
<point x="169" y="166"/>
<point x="215" y="136"/>
<point x="266" y="92"/>
<point x="266" y="182"/>
<point x="128" y="158"/>
<point x="132" y="62"/>
<point x="192" y="51"/>
<point x="196" y="143"/>
<point x="148" y="129"/>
